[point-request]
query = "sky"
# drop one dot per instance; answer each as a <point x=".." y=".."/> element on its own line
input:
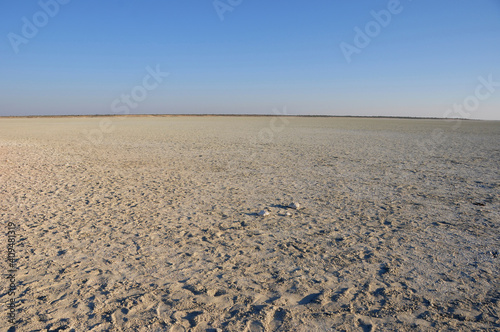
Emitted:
<point x="422" y="58"/>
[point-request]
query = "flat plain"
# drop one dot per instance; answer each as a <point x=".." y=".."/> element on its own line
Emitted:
<point x="151" y="223"/>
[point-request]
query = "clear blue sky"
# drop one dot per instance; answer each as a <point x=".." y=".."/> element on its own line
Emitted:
<point x="88" y="54"/>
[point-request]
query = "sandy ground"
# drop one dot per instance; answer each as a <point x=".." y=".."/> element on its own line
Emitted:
<point x="150" y="224"/>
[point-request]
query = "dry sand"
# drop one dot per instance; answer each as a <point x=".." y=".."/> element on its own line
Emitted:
<point x="152" y="225"/>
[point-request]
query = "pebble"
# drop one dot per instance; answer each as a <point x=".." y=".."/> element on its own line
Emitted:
<point x="263" y="213"/>
<point x="294" y="205"/>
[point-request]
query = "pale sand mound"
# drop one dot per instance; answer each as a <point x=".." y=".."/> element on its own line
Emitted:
<point x="155" y="228"/>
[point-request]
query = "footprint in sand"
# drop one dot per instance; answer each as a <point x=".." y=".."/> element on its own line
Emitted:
<point x="177" y="328"/>
<point x="255" y="326"/>
<point x="276" y="318"/>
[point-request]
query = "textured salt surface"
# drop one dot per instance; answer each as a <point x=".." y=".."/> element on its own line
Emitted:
<point x="155" y="227"/>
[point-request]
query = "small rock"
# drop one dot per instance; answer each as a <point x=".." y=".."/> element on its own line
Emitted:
<point x="294" y="206"/>
<point x="288" y="214"/>
<point x="263" y="213"/>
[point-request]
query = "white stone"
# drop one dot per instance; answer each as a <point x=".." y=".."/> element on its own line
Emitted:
<point x="263" y="213"/>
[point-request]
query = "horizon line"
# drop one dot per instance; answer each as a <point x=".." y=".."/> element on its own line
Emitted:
<point x="239" y="115"/>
